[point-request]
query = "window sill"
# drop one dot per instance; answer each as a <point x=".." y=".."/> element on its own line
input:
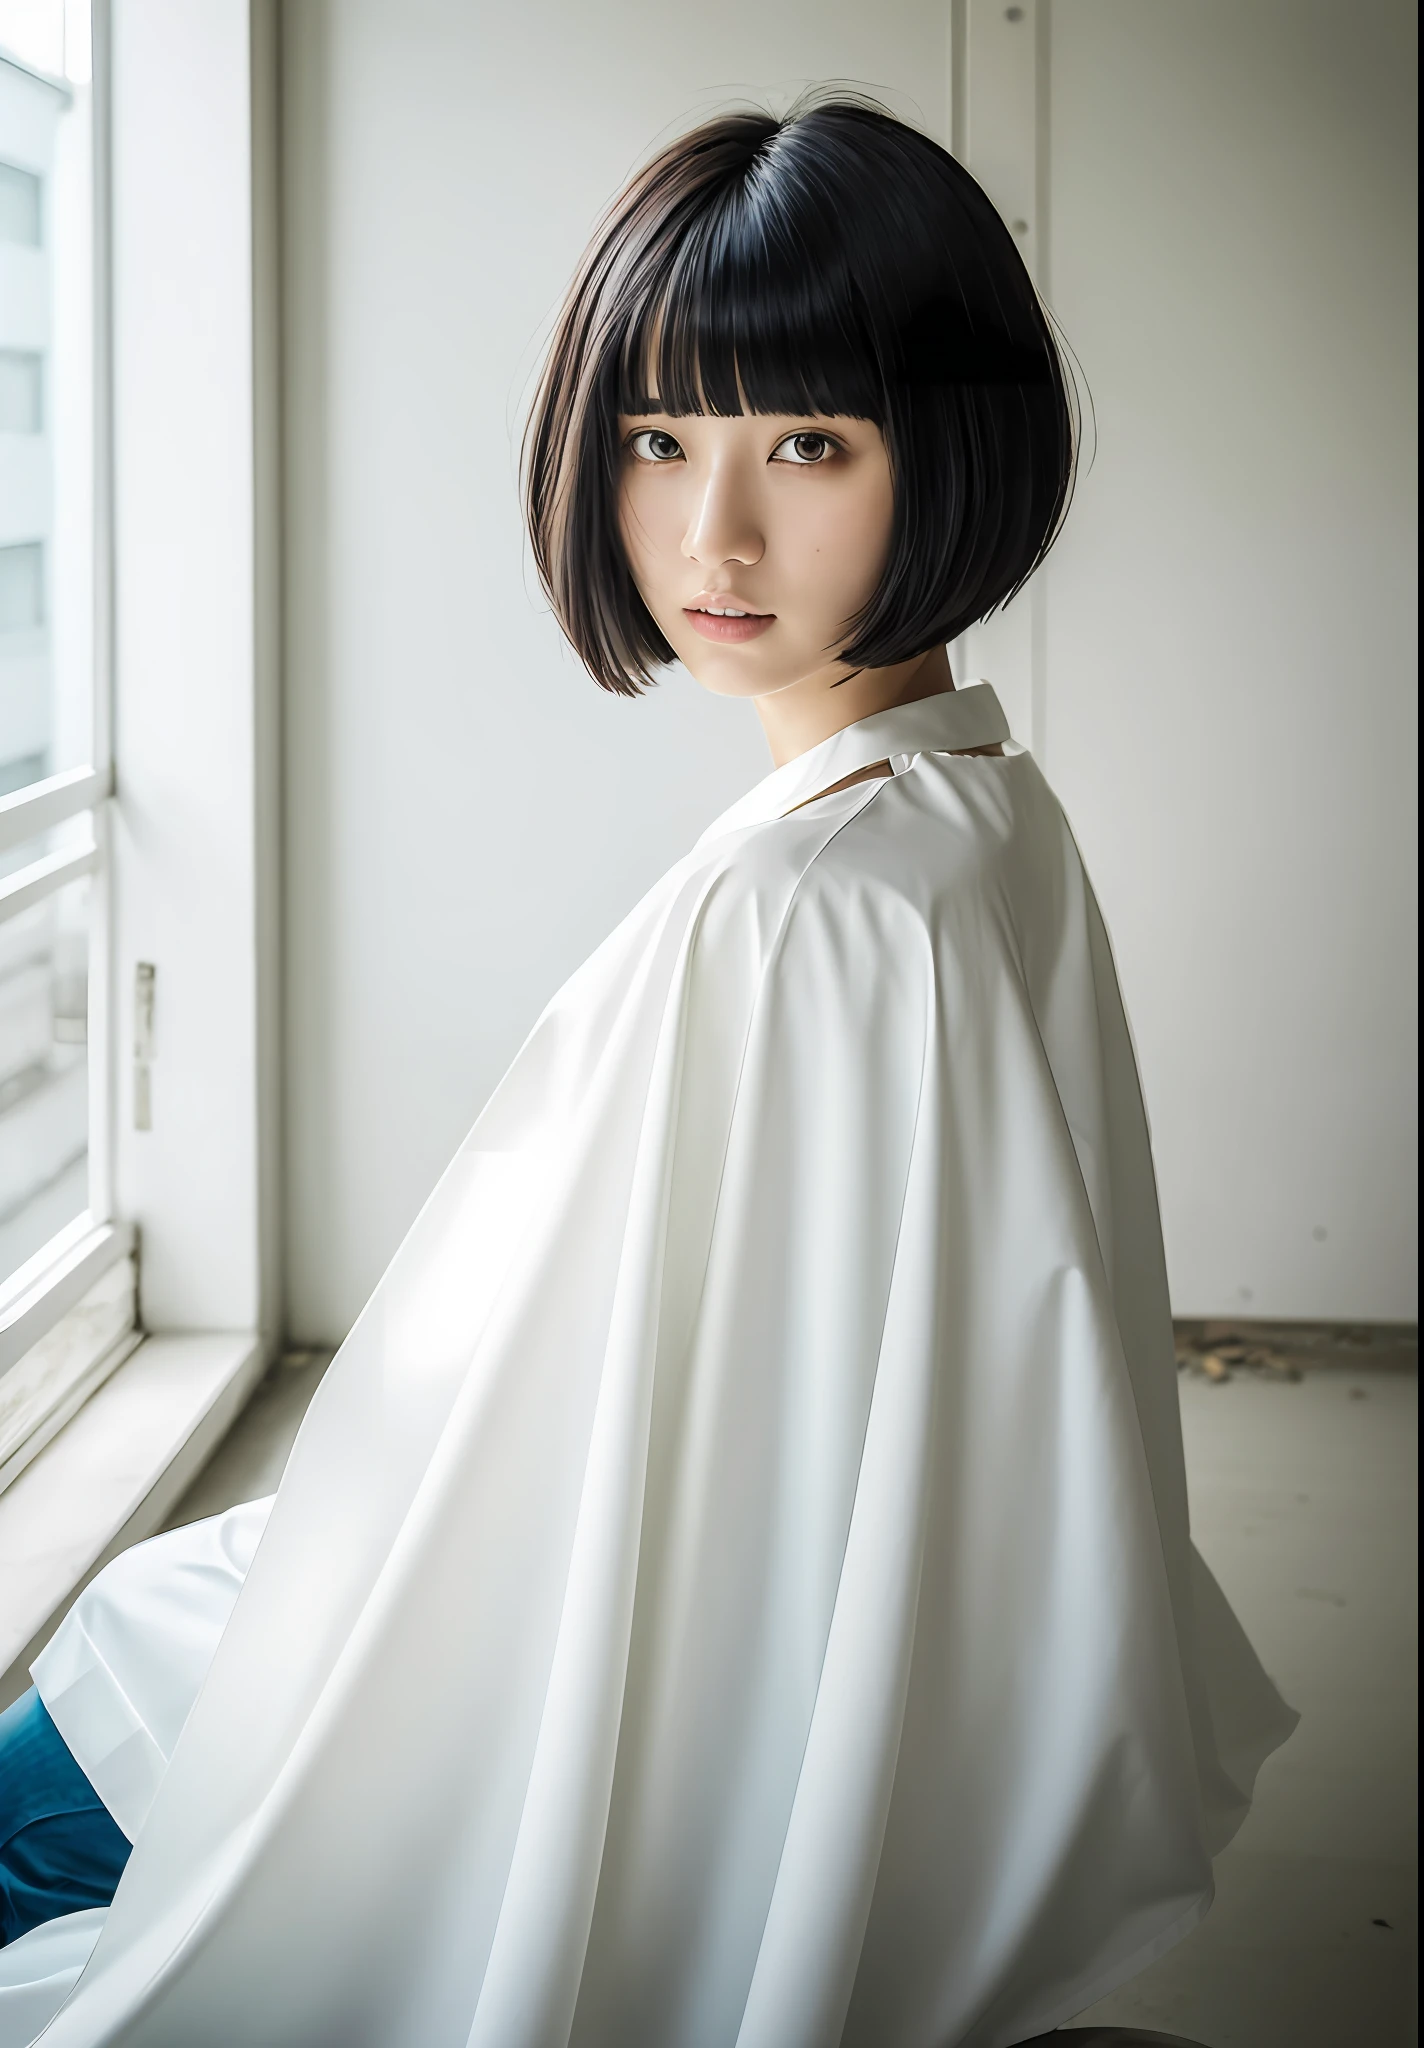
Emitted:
<point x="110" y="1478"/>
<point x="55" y="1281"/>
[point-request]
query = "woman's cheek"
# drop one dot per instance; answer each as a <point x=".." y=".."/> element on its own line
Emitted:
<point x="642" y="540"/>
<point x="662" y="526"/>
<point x="849" y="554"/>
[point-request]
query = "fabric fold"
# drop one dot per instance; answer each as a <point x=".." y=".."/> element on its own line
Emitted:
<point x="733" y="1588"/>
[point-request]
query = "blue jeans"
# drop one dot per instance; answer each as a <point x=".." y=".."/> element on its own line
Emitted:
<point x="60" y="1850"/>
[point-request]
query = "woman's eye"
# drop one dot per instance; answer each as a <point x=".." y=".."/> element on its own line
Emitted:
<point x="804" y="448"/>
<point x="650" y="444"/>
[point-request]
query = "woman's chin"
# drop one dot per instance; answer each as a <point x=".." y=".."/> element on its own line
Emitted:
<point x="723" y="685"/>
<point x="749" y="670"/>
<point x="730" y="671"/>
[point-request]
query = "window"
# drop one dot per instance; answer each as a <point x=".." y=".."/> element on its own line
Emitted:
<point x="66" y="1279"/>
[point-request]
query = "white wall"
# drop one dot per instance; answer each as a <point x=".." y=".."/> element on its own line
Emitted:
<point x="467" y="814"/>
<point x="1223" y="698"/>
<point x="1231" y="654"/>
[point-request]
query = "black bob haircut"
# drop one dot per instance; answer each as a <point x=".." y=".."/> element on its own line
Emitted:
<point x="835" y="261"/>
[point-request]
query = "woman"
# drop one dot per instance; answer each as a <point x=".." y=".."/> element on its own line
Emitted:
<point x="733" y="1585"/>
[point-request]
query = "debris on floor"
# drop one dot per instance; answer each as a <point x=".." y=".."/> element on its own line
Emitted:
<point x="1217" y="1358"/>
<point x="1284" y="1352"/>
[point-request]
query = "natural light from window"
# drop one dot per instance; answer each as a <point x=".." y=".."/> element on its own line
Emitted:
<point x="54" y="772"/>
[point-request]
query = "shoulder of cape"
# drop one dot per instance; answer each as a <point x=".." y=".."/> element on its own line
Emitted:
<point x="869" y="840"/>
<point x="878" y="859"/>
<point x="859" y="861"/>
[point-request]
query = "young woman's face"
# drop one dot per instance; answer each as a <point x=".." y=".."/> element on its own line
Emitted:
<point x="754" y="541"/>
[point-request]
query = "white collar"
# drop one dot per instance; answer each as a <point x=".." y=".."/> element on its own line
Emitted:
<point x="950" y="723"/>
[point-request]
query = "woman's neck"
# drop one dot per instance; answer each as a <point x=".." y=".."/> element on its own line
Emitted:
<point x="805" y="713"/>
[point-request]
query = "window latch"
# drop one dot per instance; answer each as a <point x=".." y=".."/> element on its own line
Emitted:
<point x="145" y="975"/>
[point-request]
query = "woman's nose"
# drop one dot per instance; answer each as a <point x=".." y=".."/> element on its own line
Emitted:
<point x="723" y="526"/>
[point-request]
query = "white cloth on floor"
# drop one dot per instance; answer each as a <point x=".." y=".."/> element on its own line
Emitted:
<point x="40" y="1969"/>
<point x="733" y="1588"/>
<point x="121" y="1672"/>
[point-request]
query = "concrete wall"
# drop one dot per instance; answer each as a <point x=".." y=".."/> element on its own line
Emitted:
<point x="1225" y="683"/>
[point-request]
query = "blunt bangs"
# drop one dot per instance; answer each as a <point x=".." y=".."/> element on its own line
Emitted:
<point x="744" y="318"/>
<point x="834" y="262"/>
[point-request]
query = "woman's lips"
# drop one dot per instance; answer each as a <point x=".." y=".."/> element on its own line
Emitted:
<point x="718" y="626"/>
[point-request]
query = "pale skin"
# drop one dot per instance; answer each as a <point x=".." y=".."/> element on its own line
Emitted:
<point x="754" y="541"/>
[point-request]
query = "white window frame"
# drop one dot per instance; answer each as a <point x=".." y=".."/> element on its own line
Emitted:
<point x="186" y="823"/>
<point x="48" y="1285"/>
<point x="186" y="455"/>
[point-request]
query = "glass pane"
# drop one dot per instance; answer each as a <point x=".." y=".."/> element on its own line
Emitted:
<point x="46" y="393"/>
<point x="21" y="386"/>
<point x="44" y="1068"/>
<point x="66" y="1363"/>
<point x="19" y="206"/>
<point x="21" y="586"/>
<point x="34" y="31"/>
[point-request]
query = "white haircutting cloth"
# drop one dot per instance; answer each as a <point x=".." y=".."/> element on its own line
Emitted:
<point x="733" y="1588"/>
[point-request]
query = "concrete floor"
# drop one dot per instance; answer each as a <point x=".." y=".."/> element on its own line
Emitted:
<point x="1303" y="1504"/>
<point x="249" y="1461"/>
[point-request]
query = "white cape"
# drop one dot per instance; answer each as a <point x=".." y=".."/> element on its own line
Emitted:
<point x="733" y="1588"/>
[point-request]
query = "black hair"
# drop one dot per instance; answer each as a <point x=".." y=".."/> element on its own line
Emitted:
<point x="834" y="261"/>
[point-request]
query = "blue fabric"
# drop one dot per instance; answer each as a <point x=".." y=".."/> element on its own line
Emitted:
<point x="60" y="1849"/>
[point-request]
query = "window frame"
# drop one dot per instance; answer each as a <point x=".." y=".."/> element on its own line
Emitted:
<point x="189" y="835"/>
<point x="49" y="1284"/>
<point x="186" y="808"/>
